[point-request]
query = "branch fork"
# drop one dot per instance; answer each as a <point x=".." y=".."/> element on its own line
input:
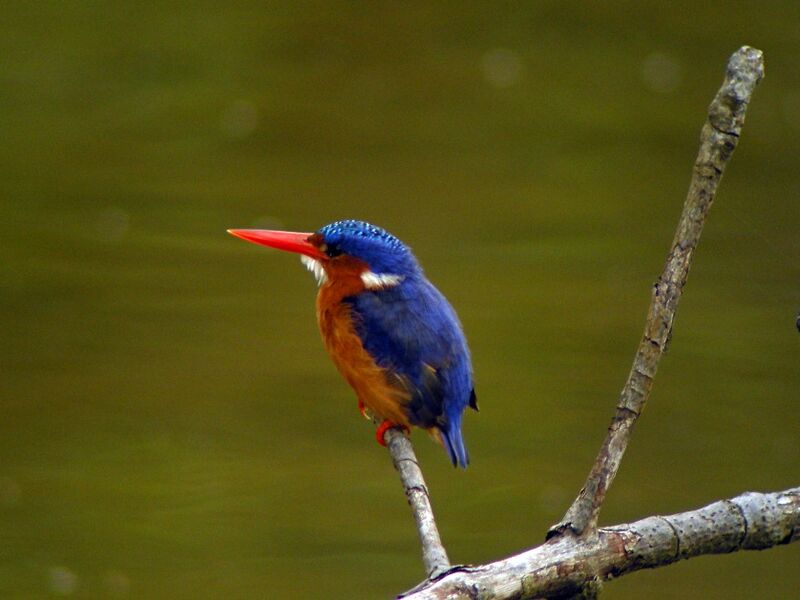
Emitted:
<point x="577" y="555"/>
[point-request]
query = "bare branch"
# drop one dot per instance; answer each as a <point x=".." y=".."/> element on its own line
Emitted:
<point x="434" y="556"/>
<point x="575" y="565"/>
<point x="565" y="564"/>
<point x="718" y="140"/>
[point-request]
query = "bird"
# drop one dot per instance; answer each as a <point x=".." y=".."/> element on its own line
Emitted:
<point x="391" y="334"/>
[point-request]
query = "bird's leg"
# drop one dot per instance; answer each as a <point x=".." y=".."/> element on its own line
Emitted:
<point x="385" y="425"/>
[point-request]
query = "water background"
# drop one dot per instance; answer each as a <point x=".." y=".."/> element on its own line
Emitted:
<point x="170" y="426"/>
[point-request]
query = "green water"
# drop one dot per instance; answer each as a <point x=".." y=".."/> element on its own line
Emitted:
<point x="170" y="426"/>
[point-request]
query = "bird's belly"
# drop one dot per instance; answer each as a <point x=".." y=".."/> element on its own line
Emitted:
<point x="374" y="385"/>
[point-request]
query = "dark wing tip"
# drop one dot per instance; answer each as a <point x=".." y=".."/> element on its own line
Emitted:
<point x="473" y="401"/>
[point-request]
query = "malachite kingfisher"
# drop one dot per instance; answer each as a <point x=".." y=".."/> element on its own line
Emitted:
<point x="391" y="334"/>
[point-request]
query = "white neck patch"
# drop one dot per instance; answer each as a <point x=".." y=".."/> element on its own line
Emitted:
<point x="313" y="265"/>
<point x="372" y="280"/>
<point x="380" y="281"/>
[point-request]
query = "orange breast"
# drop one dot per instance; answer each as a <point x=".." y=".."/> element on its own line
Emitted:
<point x="374" y="386"/>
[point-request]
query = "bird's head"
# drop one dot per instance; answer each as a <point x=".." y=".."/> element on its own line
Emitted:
<point x="344" y="249"/>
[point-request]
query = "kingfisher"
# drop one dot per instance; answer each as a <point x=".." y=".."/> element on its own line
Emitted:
<point x="391" y="334"/>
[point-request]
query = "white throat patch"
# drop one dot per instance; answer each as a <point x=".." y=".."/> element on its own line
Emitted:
<point x="313" y="265"/>
<point x="380" y="281"/>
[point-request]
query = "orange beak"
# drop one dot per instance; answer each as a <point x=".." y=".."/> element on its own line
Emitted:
<point x="289" y="241"/>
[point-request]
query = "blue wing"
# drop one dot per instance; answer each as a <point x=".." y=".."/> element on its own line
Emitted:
<point x="413" y="332"/>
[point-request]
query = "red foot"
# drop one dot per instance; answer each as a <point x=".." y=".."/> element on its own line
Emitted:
<point x="384" y="427"/>
<point x="363" y="409"/>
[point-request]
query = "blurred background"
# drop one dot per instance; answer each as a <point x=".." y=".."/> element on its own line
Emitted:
<point x="170" y="426"/>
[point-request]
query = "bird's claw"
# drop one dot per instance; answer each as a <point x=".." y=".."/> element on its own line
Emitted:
<point x="365" y="412"/>
<point x="385" y="426"/>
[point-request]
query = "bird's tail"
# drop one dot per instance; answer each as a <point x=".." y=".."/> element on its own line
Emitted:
<point x="454" y="443"/>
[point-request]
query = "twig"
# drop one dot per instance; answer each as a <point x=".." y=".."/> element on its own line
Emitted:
<point x="434" y="556"/>
<point x="718" y="140"/>
<point x="564" y="565"/>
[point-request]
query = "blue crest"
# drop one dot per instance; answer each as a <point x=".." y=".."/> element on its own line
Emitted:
<point x="382" y="251"/>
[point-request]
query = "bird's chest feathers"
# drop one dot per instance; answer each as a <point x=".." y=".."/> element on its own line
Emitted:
<point x="374" y="385"/>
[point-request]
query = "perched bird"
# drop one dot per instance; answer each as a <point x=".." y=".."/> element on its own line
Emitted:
<point x="390" y="332"/>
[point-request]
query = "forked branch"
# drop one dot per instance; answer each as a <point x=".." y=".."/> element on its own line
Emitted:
<point x="568" y="565"/>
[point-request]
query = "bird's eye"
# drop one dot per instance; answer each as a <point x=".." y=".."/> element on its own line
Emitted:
<point x="332" y="250"/>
